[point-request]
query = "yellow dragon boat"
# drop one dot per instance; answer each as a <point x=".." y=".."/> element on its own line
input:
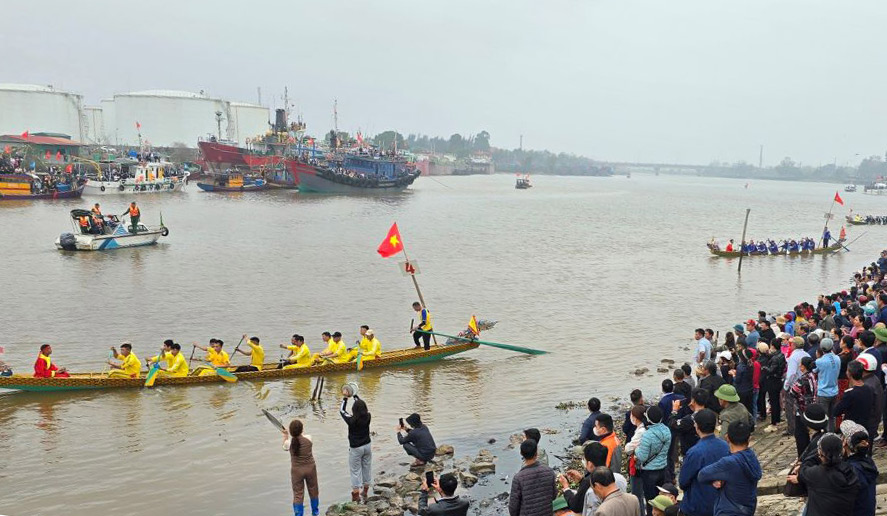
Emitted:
<point x="90" y="381"/>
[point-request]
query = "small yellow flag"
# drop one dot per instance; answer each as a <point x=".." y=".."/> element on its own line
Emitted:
<point x="472" y="325"/>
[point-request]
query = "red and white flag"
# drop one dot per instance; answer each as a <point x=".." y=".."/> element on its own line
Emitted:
<point x="138" y="125"/>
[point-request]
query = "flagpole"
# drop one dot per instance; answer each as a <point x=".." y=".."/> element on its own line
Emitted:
<point x="416" y="284"/>
<point x="827" y="218"/>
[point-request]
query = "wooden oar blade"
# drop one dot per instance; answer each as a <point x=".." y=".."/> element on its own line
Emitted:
<point x="227" y="375"/>
<point x="510" y="347"/>
<point x="274" y="421"/>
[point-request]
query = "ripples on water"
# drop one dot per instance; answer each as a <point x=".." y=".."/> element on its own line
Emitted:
<point x="609" y="274"/>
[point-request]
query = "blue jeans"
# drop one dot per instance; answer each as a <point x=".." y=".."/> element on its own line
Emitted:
<point x="754" y="404"/>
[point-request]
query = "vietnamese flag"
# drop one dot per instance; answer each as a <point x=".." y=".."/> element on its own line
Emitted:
<point x="25" y="135"/>
<point x="838" y="199"/>
<point x="58" y="155"/>
<point x="392" y="243"/>
<point x="47" y="155"/>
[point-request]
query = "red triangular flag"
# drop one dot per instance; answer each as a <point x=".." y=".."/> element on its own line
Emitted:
<point x="47" y="154"/>
<point x="25" y="135"/>
<point x="392" y="243"/>
<point x="843" y="235"/>
<point x="838" y="199"/>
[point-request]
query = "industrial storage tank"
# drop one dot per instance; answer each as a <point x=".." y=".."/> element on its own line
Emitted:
<point x="108" y="121"/>
<point x="29" y="107"/>
<point x="167" y="117"/>
<point x="94" y="125"/>
<point x="247" y="121"/>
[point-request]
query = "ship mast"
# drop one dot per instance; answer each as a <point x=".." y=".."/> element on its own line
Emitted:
<point x="336" y="116"/>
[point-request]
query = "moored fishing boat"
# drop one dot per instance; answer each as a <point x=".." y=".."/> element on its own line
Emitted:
<point x="90" y="381"/>
<point x="151" y="177"/>
<point x="114" y="234"/>
<point x="361" y="174"/>
<point x="234" y="182"/>
<point x="21" y="187"/>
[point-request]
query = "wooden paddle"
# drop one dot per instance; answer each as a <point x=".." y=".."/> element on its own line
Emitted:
<point x="152" y="374"/>
<point x="193" y="349"/>
<point x="519" y="349"/>
<point x="226" y="375"/>
<point x="274" y="421"/>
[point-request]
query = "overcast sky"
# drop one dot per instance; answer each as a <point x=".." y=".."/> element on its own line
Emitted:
<point x="631" y="80"/>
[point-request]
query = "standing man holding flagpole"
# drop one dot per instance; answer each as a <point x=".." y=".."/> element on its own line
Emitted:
<point x="826" y="235"/>
<point x="425" y="326"/>
<point x="391" y="246"/>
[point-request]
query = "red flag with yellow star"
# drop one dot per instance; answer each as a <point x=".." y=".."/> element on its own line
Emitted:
<point x="392" y="243"/>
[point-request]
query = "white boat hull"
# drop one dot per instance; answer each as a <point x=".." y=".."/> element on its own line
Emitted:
<point x="120" y="239"/>
<point x="129" y="187"/>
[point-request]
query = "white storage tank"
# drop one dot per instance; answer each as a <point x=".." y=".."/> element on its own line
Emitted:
<point x="108" y="120"/>
<point x="28" y="107"/>
<point x="94" y="125"/>
<point x="167" y="117"/>
<point x="247" y="121"/>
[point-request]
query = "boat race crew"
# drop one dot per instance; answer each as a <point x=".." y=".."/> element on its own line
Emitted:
<point x="215" y="356"/>
<point x="330" y="349"/>
<point x="134" y="215"/>
<point x="44" y="368"/>
<point x="300" y="354"/>
<point x="256" y="353"/>
<point x="130" y="365"/>
<point x="424" y="324"/>
<point x="179" y="365"/>
<point x="335" y="351"/>
<point x="165" y="354"/>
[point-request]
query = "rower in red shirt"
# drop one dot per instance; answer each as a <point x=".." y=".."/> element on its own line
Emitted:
<point x="730" y="246"/>
<point x="44" y="368"/>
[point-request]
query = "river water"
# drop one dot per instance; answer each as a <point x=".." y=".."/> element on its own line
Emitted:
<point x="609" y="274"/>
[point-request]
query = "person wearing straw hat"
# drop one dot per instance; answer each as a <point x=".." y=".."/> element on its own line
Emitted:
<point x="731" y="409"/>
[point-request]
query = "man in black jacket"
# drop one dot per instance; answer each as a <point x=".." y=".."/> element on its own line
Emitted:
<point x="681" y="421"/>
<point x="418" y="441"/>
<point x="710" y="381"/>
<point x="449" y="504"/>
<point x="771" y="374"/>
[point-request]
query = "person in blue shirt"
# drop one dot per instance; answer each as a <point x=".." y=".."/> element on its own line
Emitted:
<point x="587" y="431"/>
<point x="699" y="497"/>
<point x="735" y="476"/>
<point x="827" y="368"/>
<point x="652" y="453"/>
<point x="752" y="337"/>
<point x="826" y="236"/>
<point x="789" y="324"/>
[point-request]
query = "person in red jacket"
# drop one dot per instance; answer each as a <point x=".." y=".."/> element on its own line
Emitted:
<point x="44" y="368"/>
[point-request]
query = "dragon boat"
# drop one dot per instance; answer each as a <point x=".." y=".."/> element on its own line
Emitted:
<point x="92" y="381"/>
<point x="819" y="250"/>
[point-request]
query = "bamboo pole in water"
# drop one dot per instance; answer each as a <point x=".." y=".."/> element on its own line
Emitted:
<point x="742" y="242"/>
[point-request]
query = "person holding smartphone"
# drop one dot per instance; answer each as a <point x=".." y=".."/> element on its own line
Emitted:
<point x="418" y="441"/>
<point x="360" y="453"/>
<point x="448" y="504"/>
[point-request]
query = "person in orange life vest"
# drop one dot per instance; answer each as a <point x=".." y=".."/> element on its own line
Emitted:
<point x="83" y="220"/>
<point x="134" y="215"/>
<point x="44" y="368"/>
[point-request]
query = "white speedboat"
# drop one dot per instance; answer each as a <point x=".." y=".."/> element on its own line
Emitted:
<point x="113" y="234"/>
<point x="150" y="177"/>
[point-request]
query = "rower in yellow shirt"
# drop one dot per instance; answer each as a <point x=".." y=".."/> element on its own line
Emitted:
<point x="130" y="365"/>
<point x="359" y="345"/>
<point x="300" y="354"/>
<point x="179" y="365"/>
<point x="257" y="354"/>
<point x="215" y="356"/>
<point x="329" y="352"/>
<point x="373" y="348"/>
<point x="341" y="353"/>
<point x="164" y="355"/>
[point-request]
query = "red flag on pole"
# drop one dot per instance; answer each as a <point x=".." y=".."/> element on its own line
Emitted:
<point x="47" y="154"/>
<point x="838" y="199"/>
<point x="25" y="135"/>
<point x="138" y="125"/>
<point x="58" y="155"/>
<point x="392" y="243"/>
